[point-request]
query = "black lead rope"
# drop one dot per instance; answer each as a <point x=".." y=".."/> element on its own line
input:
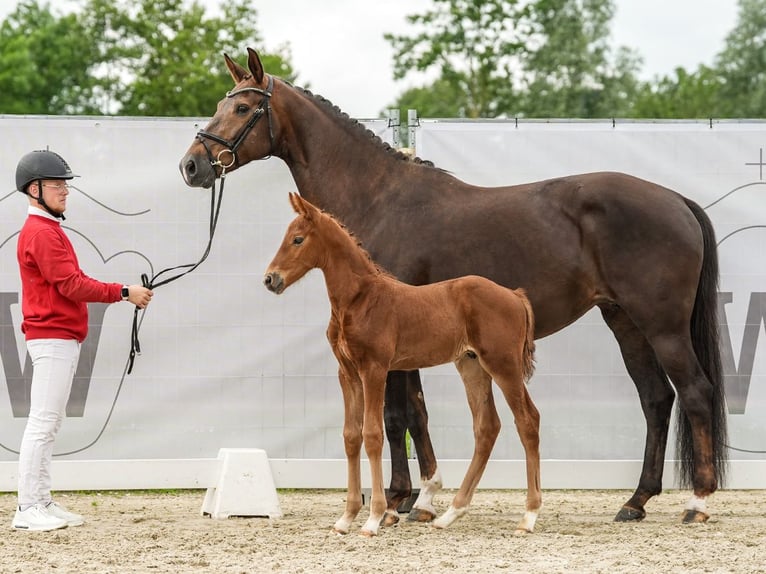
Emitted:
<point x="154" y="282"/>
<point x="230" y="147"/>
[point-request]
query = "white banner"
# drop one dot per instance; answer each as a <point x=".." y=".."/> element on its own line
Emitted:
<point x="225" y="363"/>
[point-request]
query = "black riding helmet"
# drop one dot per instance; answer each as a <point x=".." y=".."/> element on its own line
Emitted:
<point x="38" y="165"/>
<point x="41" y="164"/>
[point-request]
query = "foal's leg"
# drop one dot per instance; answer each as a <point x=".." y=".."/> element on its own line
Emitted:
<point x="527" y="420"/>
<point x="373" y="379"/>
<point x="486" y="427"/>
<point x="656" y="396"/>
<point x="405" y="408"/>
<point x="353" y="401"/>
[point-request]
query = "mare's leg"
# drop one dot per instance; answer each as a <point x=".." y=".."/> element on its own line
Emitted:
<point x="406" y="408"/>
<point x="696" y="395"/>
<point x="353" y="401"/>
<point x="656" y="396"/>
<point x="373" y="379"/>
<point x="486" y="427"/>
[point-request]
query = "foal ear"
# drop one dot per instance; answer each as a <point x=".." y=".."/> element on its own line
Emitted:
<point x="301" y="206"/>
<point x="254" y="63"/>
<point x="236" y="71"/>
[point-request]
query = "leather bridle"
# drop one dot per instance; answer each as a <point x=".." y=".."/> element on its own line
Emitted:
<point x="231" y="146"/>
<point x="215" y="199"/>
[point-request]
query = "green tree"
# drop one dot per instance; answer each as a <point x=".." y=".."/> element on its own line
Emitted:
<point x="166" y="58"/>
<point x="45" y="62"/>
<point x="472" y="45"/>
<point x="691" y="95"/>
<point x="139" y="57"/>
<point x="546" y="58"/>
<point x="741" y="65"/>
<point x="569" y="69"/>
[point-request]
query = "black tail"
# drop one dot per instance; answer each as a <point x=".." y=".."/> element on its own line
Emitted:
<point x="705" y="338"/>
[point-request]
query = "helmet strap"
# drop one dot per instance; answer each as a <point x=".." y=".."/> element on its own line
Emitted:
<point x="41" y="200"/>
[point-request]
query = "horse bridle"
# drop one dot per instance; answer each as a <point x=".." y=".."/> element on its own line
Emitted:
<point x="231" y="146"/>
<point x="215" y="203"/>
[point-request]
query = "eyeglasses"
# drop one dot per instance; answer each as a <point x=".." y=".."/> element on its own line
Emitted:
<point x="58" y="186"/>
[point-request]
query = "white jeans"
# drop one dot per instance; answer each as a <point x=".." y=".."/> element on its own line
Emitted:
<point x="54" y="363"/>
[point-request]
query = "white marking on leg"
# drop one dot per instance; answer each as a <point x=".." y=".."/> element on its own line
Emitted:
<point x="697" y="503"/>
<point x="527" y="524"/>
<point x="428" y="488"/>
<point x="449" y="517"/>
<point x="342" y="525"/>
<point x="370" y="527"/>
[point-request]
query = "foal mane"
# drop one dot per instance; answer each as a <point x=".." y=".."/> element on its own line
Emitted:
<point x="356" y="125"/>
<point x="378" y="269"/>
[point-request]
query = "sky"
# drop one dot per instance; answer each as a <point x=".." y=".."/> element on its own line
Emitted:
<point x="338" y="49"/>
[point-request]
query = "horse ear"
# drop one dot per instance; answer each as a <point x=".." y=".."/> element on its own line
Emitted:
<point x="302" y="206"/>
<point x="236" y="71"/>
<point x="254" y="63"/>
<point x="295" y="201"/>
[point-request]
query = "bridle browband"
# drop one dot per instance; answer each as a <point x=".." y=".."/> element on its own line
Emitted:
<point x="215" y="205"/>
<point x="231" y="146"/>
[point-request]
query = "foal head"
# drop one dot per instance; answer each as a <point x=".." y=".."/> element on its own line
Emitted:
<point x="303" y="247"/>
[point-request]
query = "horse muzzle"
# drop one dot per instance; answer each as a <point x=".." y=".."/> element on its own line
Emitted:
<point x="197" y="171"/>
<point x="274" y="282"/>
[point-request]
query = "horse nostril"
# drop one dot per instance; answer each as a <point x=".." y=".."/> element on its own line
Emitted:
<point x="267" y="280"/>
<point x="191" y="167"/>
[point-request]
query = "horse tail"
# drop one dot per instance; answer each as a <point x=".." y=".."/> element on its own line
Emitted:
<point x="705" y="340"/>
<point x="528" y="361"/>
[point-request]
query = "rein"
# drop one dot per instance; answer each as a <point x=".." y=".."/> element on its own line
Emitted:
<point x="231" y="147"/>
<point x="155" y="281"/>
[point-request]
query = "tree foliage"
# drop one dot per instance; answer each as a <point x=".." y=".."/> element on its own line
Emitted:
<point x="541" y="58"/>
<point x="553" y="58"/>
<point x="139" y="57"/>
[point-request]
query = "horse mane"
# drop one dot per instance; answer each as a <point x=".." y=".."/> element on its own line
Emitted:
<point x="360" y="127"/>
<point x="378" y="269"/>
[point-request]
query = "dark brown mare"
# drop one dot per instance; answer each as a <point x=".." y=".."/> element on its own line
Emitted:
<point x="642" y="253"/>
<point x="379" y="324"/>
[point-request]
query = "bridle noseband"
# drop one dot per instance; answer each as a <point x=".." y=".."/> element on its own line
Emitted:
<point x="233" y="145"/>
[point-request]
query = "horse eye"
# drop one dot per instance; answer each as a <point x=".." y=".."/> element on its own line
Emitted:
<point x="242" y="109"/>
<point x="298" y="240"/>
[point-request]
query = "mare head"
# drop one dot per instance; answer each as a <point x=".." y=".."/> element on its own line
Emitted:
<point x="301" y="250"/>
<point x="219" y="148"/>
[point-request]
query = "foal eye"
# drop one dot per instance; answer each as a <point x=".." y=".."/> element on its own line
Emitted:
<point x="298" y="240"/>
<point x="242" y="108"/>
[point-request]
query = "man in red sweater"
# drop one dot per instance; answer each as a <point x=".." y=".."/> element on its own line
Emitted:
<point x="55" y="293"/>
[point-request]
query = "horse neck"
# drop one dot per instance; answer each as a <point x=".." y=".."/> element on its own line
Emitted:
<point x="345" y="265"/>
<point x="336" y="164"/>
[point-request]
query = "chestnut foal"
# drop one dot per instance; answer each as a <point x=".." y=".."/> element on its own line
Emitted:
<point x="379" y="324"/>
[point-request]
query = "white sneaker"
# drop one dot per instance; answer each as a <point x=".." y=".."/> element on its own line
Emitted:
<point x="37" y="518"/>
<point x="72" y="519"/>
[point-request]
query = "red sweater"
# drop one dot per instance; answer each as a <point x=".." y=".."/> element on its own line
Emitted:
<point x="54" y="289"/>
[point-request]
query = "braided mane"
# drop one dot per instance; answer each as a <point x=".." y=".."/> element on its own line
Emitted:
<point x="360" y="127"/>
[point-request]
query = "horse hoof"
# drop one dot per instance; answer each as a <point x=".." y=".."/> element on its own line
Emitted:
<point x="339" y="532"/>
<point x="628" y="514"/>
<point x="420" y="515"/>
<point x="367" y="533"/>
<point x="694" y="517"/>
<point x="521" y="532"/>
<point x="390" y="518"/>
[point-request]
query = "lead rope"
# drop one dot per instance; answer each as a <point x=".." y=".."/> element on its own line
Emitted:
<point x="154" y="282"/>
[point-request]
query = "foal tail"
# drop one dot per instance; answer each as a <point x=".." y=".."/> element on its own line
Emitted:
<point x="528" y="361"/>
<point x="705" y="340"/>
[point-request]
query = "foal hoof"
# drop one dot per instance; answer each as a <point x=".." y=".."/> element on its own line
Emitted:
<point x="628" y="514"/>
<point x="694" y="517"/>
<point x="420" y="515"/>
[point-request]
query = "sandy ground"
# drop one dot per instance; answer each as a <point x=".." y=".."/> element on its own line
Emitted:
<point x="139" y="532"/>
